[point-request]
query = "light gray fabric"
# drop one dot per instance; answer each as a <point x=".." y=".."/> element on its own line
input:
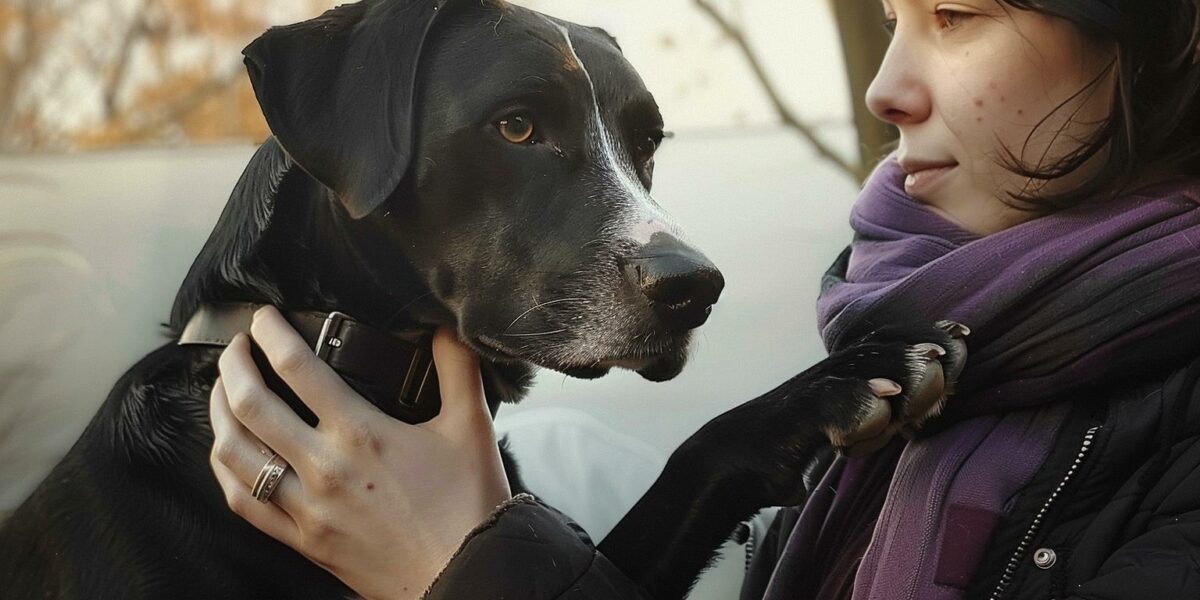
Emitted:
<point x="577" y="464"/>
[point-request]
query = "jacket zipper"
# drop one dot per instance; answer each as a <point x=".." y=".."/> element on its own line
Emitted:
<point x="1018" y="555"/>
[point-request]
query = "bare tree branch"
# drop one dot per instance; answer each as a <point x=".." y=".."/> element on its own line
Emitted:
<point x="137" y="30"/>
<point x="786" y="115"/>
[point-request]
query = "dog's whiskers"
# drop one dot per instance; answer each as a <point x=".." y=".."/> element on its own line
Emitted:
<point x="599" y="240"/>
<point x="544" y="304"/>
<point x="533" y="334"/>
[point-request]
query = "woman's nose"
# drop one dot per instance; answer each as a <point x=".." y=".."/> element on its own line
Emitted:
<point x="898" y="94"/>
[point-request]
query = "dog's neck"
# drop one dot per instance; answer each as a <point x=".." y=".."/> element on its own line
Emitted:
<point x="283" y="240"/>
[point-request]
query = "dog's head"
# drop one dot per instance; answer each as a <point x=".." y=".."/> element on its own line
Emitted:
<point x="507" y="157"/>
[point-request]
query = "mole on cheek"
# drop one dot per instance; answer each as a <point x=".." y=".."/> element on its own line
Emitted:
<point x="979" y="102"/>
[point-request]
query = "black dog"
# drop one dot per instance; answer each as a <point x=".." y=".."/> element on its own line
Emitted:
<point x="434" y="162"/>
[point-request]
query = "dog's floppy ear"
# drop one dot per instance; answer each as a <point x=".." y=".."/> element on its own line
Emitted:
<point x="609" y="37"/>
<point x="338" y="92"/>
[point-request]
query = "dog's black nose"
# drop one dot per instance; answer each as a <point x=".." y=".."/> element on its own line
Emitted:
<point x="681" y="283"/>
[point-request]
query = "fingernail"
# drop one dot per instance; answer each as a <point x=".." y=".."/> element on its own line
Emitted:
<point x="930" y="350"/>
<point x="884" y="387"/>
<point x="262" y="311"/>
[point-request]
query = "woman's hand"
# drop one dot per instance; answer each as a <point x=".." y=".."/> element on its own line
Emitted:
<point x="381" y="504"/>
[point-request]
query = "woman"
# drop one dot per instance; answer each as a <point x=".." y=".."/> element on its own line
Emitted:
<point x="1046" y="192"/>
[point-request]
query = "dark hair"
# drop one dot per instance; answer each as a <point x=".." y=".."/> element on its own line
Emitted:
<point x="1154" y="127"/>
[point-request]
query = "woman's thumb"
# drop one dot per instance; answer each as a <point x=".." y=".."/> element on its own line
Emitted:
<point x="464" y="407"/>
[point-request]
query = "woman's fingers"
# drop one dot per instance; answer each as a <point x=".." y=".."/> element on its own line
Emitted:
<point x="464" y="409"/>
<point x="242" y="454"/>
<point x="267" y="517"/>
<point x="226" y="428"/>
<point x="315" y="382"/>
<point x="257" y="408"/>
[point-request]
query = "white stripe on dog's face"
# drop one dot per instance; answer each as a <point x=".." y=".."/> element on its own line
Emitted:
<point x="646" y="217"/>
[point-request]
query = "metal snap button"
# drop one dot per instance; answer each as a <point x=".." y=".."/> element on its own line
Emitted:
<point x="1044" y="558"/>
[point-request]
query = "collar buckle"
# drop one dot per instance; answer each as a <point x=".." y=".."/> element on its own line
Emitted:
<point x="328" y="341"/>
<point x="417" y="379"/>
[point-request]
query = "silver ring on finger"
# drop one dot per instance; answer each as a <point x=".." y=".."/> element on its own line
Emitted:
<point x="268" y="478"/>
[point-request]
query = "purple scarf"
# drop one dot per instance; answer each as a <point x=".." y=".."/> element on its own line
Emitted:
<point x="1080" y="299"/>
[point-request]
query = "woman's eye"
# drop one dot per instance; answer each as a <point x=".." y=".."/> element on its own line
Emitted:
<point x="949" y="19"/>
<point x="517" y="129"/>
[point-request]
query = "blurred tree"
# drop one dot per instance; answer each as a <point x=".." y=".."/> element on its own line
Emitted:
<point x="103" y="73"/>
<point x="25" y="29"/>
<point x="864" y="42"/>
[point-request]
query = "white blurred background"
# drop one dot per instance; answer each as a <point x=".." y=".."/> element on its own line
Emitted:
<point x="125" y="123"/>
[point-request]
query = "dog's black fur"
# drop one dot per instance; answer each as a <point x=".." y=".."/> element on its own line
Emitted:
<point x="387" y="193"/>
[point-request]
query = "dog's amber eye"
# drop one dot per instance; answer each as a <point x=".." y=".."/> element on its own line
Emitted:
<point x="647" y="147"/>
<point x="517" y="129"/>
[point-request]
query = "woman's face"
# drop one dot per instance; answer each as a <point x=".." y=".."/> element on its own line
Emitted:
<point x="964" y="80"/>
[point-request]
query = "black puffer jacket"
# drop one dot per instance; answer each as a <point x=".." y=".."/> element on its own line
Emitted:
<point x="1115" y="511"/>
<point x="529" y="550"/>
<point x="1113" y="514"/>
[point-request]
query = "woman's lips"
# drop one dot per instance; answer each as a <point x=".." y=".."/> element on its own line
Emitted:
<point x="922" y="181"/>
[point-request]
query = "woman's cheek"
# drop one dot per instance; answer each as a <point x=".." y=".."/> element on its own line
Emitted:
<point x="978" y="112"/>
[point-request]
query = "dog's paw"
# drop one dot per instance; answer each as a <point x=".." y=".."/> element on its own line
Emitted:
<point x="891" y="382"/>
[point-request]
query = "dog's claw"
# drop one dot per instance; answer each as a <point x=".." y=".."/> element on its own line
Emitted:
<point x="955" y="329"/>
<point x="884" y="387"/>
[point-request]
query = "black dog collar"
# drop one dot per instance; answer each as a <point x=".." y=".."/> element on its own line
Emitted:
<point x="392" y="369"/>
